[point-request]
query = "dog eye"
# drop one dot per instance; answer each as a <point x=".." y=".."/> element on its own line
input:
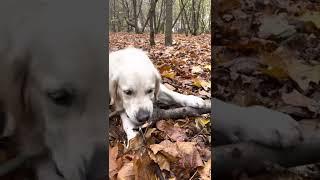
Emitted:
<point x="128" y="92"/>
<point x="61" y="97"/>
<point x="149" y="91"/>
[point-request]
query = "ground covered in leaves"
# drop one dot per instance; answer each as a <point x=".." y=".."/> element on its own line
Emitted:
<point x="268" y="53"/>
<point x="172" y="148"/>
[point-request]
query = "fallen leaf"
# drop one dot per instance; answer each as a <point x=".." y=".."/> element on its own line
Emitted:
<point x="202" y="121"/>
<point x="190" y="157"/>
<point x="165" y="146"/>
<point x="276" y="25"/>
<point x="205" y="172"/>
<point x="113" y="167"/>
<point x="197" y="82"/>
<point x="301" y="73"/>
<point x="297" y="99"/>
<point x="313" y="17"/>
<point x="196" y="70"/>
<point x="143" y="168"/>
<point x="175" y="133"/>
<point x="170" y="75"/>
<point x="161" y="160"/>
<point x="164" y="68"/>
<point x="205" y="93"/>
<point x="205" y="85"/>
<point x="149" y="132"/>
<point x="186" y="147"/>
<point x="304" y="74"/>
<point x="126" y="172"/>
<point x="208" y="67"/>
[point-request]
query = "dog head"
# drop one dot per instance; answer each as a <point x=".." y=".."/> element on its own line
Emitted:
<point x="134" y="84"/>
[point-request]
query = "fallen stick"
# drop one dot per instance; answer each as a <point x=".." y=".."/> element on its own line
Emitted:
<point x="174" y="113"/>
<point x="181" y="112"/>
<point x="253" y="158"/>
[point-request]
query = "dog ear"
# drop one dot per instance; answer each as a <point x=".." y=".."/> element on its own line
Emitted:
<point x="17" y="100"/>
<point x="113" y="90"/>
<point x="157" y="87"/>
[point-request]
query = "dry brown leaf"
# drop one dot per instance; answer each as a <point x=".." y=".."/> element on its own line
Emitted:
<point x="161" y="160"/>
<point x="304" y="74"/>
<point x="149" y="132"/>
<point x="205" y="172"/>
<point x="296" y="99"/>
<point x="165" y="146"/>
<point x="126" y="172"/>
<point x="301" y="73"/>
<point x="113" y="166"/>
<point x="164" y="68"/>
<point x="175" y="133"/>
<point x="191" y="157"/>
<point x="196" y="70"/>
<point x="143" y="168"/>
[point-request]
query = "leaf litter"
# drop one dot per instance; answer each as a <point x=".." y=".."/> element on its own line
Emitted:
<point x="268" y="53"/>
<point x="172" y="149"/>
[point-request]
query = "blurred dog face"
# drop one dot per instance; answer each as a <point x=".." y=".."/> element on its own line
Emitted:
<point x="64" y="90"/>
<point x="53" y="80"/>
<point x="135" y="84"/>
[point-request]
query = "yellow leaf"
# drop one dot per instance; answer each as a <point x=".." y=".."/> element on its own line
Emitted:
<point x="164" y="68"/>
<point x="314" y="17"/>
<point x="202" y="121"/>
<point x="205" y="85"/>
<point x="197" y="83"/>
<point x="169" y="75"/>
<point x="208" y="67"/>
<point x="276" y="72"/>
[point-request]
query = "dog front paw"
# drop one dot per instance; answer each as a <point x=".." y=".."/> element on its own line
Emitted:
<point x="269" y="127"/>
<point x="193" y="101"/>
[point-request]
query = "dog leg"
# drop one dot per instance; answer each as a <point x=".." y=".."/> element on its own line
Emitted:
<point x="128" y="127"/>
<point x="170" y="97"/>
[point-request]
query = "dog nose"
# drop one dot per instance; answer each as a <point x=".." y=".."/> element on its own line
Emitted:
<point x="143" y="115"/>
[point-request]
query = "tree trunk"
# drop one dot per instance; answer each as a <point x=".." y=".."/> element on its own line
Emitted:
<point x="135" y="16"/>
<point x="157" y="25"/>
<point x="180" y="12"/>
<point x="193" y="18"/>
<point x="168" y="31"/>
<point x="186" y="20"/>
<point x="152" y="16"/>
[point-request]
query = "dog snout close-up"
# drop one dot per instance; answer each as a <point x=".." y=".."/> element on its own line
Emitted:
<point x="143" y="115"/>
<point x="53" y="84"/>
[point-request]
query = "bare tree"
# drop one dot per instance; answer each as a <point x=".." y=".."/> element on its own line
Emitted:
<point x="188" y="16"/>
<point x="168" y="31"/>
<point x="152" y="17"/>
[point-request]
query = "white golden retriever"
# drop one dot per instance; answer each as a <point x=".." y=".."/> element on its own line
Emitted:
<point x="134" y="84"/>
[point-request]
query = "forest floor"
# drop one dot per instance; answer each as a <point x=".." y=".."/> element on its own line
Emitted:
<point x="174" y="148"/>
<point x="268" y="53"/>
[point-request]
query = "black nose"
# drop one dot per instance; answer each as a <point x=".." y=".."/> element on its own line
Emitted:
<point x="143" y="115"/>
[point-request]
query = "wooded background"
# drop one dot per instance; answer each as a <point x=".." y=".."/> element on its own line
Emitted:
<point x="191" y="17"/>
